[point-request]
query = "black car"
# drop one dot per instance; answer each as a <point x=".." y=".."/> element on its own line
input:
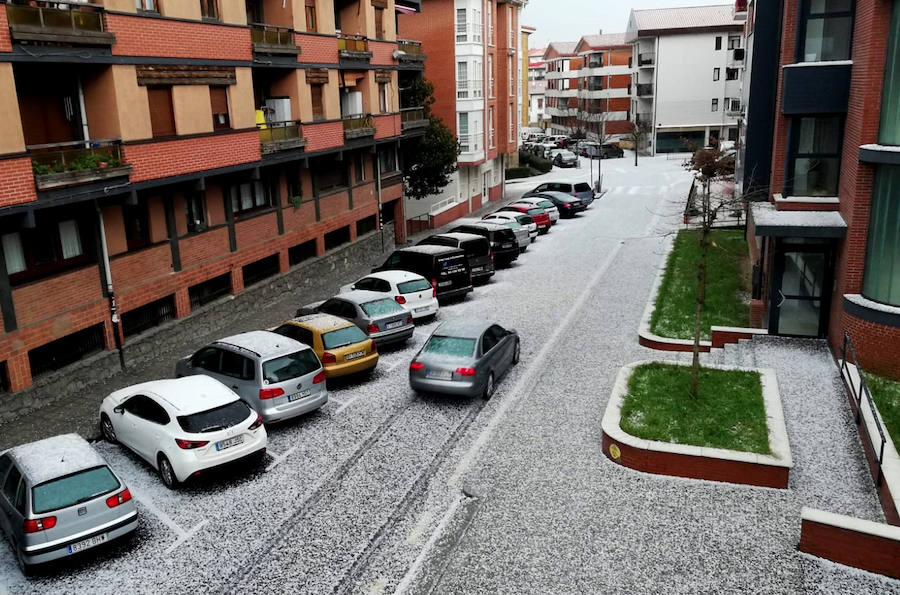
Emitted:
<point x="503" y="241"/>
<point x="476" y="247"/>
<point x="447" y="268"/>
<point x="609" y="150"/>
<point x="566" y="204"/>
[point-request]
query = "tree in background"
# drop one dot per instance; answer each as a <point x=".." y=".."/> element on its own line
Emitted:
<point x="431" y="161"/>
<point x="639" y="133"/>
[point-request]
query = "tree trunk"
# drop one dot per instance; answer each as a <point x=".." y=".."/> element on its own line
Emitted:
<point x="701" y="290"/>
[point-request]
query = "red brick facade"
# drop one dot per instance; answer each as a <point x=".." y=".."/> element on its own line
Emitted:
<point x="5" y="40"/>
<point x="168" y="158"/>
<point x="317" y="49"/>
<point x="16" y="182"/>
<point x="167" y="38"/>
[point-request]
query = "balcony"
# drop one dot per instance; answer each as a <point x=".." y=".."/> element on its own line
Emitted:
<point x="57" y="22"/>
<point x="353" y="48"/>
<point x="468" y="32"/>
<point x="269" y="39"/>
<point x="412" y="118"/>
<point x="280" y="136"/>
<point x="358" y="126"/>
<point x="645" y="89"/>
<point x="410" y="51"/>
<point x="646" y="59"/>
<point x="468" y="143"/>
<point x="79" y="162"/>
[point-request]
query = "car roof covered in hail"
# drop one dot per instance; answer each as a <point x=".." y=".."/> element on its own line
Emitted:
<point x="265" y="344"/>
<point x="363" y="296"/>
<point x="463" y="328"/>
<point x="429" y="249"/>
<point x="482" y="224"/>
<point x="557" y="194"/>
<point x="395" y="276"/>
<point x="55" y="457"/>
<point x="187" y="395"/>
<point x="321" y="322"/>
<point x="461" y="236"/>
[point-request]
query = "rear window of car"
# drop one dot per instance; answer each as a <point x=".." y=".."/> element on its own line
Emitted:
<point x="525" y="220"/>
<point x="382" y="307"/>
<point x="413" y="286"/>
<point x="582" y="187"/>
<point x="512" y="224"/>
<point x="476" y="247"/>
<point x="290" y="366"/>
<point x="213" y="420"/>
<point x="343" y="337"/>
<point x="73" y="489"/>
<point x="535" y="211"/>
<point x="452" y="346"/>
<point x="546" y="204"/>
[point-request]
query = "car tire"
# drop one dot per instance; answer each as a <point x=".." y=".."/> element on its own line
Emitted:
<point x="516" y="353"/>
<point x="107" y="430"/>
<point x="489" y="387"/>
<point x="167" y="473"/>
<point x="27" y="570"/>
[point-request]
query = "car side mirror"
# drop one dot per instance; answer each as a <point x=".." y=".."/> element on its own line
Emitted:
<point x="119" y="409"/>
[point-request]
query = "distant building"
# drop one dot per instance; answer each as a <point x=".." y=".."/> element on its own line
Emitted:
<point x="604" y="86"/>
<point x="537" y="87"/>
<point x="563" y="67"/>
<point x="524" y="81"/>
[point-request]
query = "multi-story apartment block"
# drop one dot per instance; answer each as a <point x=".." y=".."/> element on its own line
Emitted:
<point x="524" y="63"/>
<point x="473" y="49"/>
<point x="689" y="65"/>
<point x="537" y="88"/>
<point x="825" y="240"/>
<point x="604" y="86"/>
<point x="563" y="70"/>
<point x="156" y="155"/>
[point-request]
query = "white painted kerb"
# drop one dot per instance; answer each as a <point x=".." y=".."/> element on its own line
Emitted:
<point x="850" y="523"/>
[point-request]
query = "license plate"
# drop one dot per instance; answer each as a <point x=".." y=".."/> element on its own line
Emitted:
<point x="506" y="246"/>
<point x="439" y="374"/>
<point x="87" y="543"/>
<point x="425" y="309"/>
<point x="394" y="324"/>
<point x="477" y="269"/>
<point x="355" y="355"/>
<point x="445" y="283"/>
<point x="229" y="442"/>
<point x="301" y="395"/>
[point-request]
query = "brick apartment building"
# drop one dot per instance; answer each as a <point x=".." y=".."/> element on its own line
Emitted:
<point x="825" y="238"/>
<point x="171" y="152"/>
<point x="604" y="86"/>
<point x="561" y="93"/>
<point x="472" y="48"/>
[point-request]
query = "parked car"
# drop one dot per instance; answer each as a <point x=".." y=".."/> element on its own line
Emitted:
<point x="609" y="150"/>
<point x="567" y="204"/>
<point x="565" y="158"/>
<point x="587" y="148"/>
<point x="447" y="268"/>
<point x="384" y="320"/>
<point x="412" y="291"/>
<point x="477" y="249"/>
<point x="185" y="426"/>
<point x="543" y="203"/>
<point x="544" y="149"/>
<point x="559" y="140"/>
<point x="60" y="498"/>
<point x="523" y="237"/>
<point x="580" y="190"/>
<point x="526" y="221"/>
<point x="504" y="245"/>
<point x="340" y="345"/>
<point x="540" y="216"/>
<point x="279" y="377"/>
<point x="464" y="357"/>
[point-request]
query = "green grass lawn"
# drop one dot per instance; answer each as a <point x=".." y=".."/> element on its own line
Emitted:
<point x="729" y="411"/>
<point x="886" y="394"/>
<point x="727" y="284"/>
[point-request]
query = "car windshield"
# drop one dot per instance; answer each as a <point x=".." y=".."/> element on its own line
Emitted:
<point x="73" y="489"/>
<point x="413" y="286"/>
<point x="452" y="346"/>
<point x="382" y="307"/>
<point x="343" y="337"/>
<point x="513" y="225"/>
<point x="535" y="211"/>
<point x="290" y="366"/>
<point x="213" y="420"/>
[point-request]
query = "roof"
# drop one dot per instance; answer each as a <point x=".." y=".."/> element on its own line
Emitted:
<point x="187" y="395"/>
<point x="464" y="328"/>
<point x="55" y="457"/>
<point x="768" y="221"/>
<point x="395" y="276"/>
<point x="363" y="296"/>
<point x="320" y="322"/>
<point x="429" y="249"/>
<point x="461" y="236"/>
<point x="263" y="343"/>
<point x="660" y="21"/>
<point x="603" y="40"/>
<point x="562" y="48"/>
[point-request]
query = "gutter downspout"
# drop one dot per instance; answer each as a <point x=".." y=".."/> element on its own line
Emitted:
<point x="113" y="311"/>
<point x="378" y="192"/>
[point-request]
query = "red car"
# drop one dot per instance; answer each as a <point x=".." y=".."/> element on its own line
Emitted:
<point x="540" y="216"/>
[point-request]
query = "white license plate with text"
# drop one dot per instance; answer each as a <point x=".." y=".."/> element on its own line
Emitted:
<point x="395" y="324"/>
<point x="297" y="396"/>
<point x="354" y="355"/>
<point x="229" y="442"/>
<point x="87" y="543"/>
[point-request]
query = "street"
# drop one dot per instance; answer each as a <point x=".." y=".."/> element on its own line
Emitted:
<point x="386" y="491"/>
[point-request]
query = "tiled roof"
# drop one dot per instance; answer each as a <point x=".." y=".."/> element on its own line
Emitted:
<point x="688" y="17"/>
<point x="563" y="48"/>
<point x="602" y="41"/>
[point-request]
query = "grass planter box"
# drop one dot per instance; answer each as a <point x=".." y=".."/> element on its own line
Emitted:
<point x="83" y="176"/>
<point x="711" y="423"/>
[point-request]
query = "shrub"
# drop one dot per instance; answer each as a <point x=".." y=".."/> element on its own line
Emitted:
<point x="519" y="172"/>
<point x="539" y="163"/>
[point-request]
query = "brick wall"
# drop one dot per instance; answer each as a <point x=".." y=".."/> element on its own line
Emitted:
<point x="180" y="156"/>
<point x="877" y="345"/>
<point x="779" y="142"/>
<point x="41" y="300"/>
<point x="333" y="205"/>
<point x="317" y="49"/>
<point x="167" y="38"/>
<point x="382" y="53"/>
<point x="133" y="269"/>
<point x="305" y="216"/>
<point x="387" y="126"/>
<point x="203" y="247"/>
<point x="257" y="230"/>
<point x="5" y="39"/>
<point x="323" y="136"/>
<point x="16" y="182"/>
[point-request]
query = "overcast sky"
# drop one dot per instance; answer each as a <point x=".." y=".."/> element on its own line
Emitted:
<point x="568" y="20"/>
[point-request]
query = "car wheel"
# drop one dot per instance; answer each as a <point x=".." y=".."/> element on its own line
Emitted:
<point x="489" y="387"/>
<point x="107" y="430"/>
<point x="166" y="473"/>
<point x="516" y="353"/>
<point x="27" y="570"/>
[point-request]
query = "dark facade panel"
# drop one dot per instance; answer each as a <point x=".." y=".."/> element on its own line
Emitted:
<point x="873" y="156"/>
<point x="820" y="89"/>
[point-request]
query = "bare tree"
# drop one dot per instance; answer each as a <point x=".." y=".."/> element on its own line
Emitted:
<point x="639" y="133"/>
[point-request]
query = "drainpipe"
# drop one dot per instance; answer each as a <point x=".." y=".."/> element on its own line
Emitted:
<point x="113" y="311"/>
<point x="83" y="113"/>
<point x="378" y="191"/>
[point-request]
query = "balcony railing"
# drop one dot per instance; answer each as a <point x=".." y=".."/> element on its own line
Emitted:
<point x="79" y="162"/>
<point x="413" y="117"/>
<point x="468" y="32"/>
<point x="270" y="39"/>
<point x="353" y="46"/>
<point x="646" y="59"/>
<point x="411" y="51"/>
<point x="468" y="143"/>
<point x="645" y="89"/>
<point x="280" y="136"/>
<point x="358" y="125"/>
<point x="57" y="22"/>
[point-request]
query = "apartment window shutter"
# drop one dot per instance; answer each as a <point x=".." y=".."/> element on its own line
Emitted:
<point x="311" y="16"/>
<point x="162" y="114"/>
<point x="318" y="107"/>
<point x="218" y="100"/>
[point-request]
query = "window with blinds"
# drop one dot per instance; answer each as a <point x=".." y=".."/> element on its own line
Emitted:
<point x="218" y="100"/>
<point x="162" y="113"/>
<point x="379" y="23"/>
<point x="311" y="16"/>
<point x="318" y="107"/>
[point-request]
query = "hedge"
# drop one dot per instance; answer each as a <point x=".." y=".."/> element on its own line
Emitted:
<point x="538" y="163"/>
<point x="520" y="172"/>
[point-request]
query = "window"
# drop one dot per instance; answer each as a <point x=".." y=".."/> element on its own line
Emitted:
<point x="379" y="23"/>
<point x="490" y="75"/>
<point x="512" y="124"/>
<point x="360" y="163"/>
<point x="237" y="366"/>
<point x="162" y="114"/>
<point x="731" y="74"/>
<point x="298" y="333"/>
<point x="491" y="126"/>
<point x="718" y="42"/>
<point x="218" y="100"/>
<point x="207" y="358"/>
<point x="294" y="186"/>
<point x="224" y="416"/>
<point x="512" y="76"/>
<point x="318" y="107"/>
<point x="383" y="102"/>
<point x="248" y="197"/>
<point x="12" y="483"/>
<point x="716" y="73"/>
<point x="461" y="33"/>
<point x="827" y="30"/>
<point x="734" y="43"/>
<point x="815" y="157"/>
<point x="209" y="10"/>
<point x="462" y="130"/>
<point x="881" y="279"/>
<point x="195" y="211"/>
<point x="137" y="226"/>
<point x="146" y="5"/>
<point x="490" y="22"/>
<point x="331" y="176"/>
<point x="462" y="80"/>
<point x="311" y="16"/>
<point x="387" y="158"/>
<point x="715" y="105"/>
<point x="889" y="131"/>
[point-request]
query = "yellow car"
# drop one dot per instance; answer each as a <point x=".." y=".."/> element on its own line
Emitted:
<point x="343" y="348"/>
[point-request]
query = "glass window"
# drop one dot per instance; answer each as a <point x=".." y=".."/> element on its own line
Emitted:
<point x="216" y="419"/>
<point x="285" y="368"/>
<point x="207" y="358"/>
<point x="383" y="307"/>
<point x="249" y="196"/>
<point x="237" y="366"/>
<point x="145" y="4"/>
<point x="815" y="163"/>
<point x="72" y="489"/>
<point x="311" y="16"/>
<point x="208" y="9"/>
<point x="414" y="286"/>
<point x="12" y="483"/>
<point x="716" y="73"/>
<point x="827" y="30"/>
<point x="715" y="105"/>
<point x="13" y="253"/>
<point x="343" y="337"/>
<point x="881" y="280"/>
<point x="195" y="212"/>
<point x="452" y="346"/>
<point x="297" y="333"/>
<point x="718" y="42"/>
<point x="460" y="25"/>
<point x="889" y="133"/>
<point x="383" y="102"/>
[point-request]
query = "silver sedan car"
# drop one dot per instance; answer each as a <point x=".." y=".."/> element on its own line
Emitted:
<point x="464" y="357"/>
<point x="381" y="318"/>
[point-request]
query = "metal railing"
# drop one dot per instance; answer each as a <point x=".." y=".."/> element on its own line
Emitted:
<point x="442" y="205"/>
<point x="358" y="122"/>
<point x="413" y="48"/>
<point x="857" y="393"/>
<point x="279" y="132"/>
<point x="76" y="155"/>
<point x="469" y="88"/>
<point x="468" y="32"/>
<point x="646" y="58"/>
<point x="352" y="43"/>
<point x="58" y="15"/>
<point x="468" y="143"/>
<point x="271" y="34"/>
<point x="412" y="114"/>
<point x="462" y="89"/>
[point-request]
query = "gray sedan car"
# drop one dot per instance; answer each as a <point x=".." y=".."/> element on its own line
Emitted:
<point x="464" y="357"/>
<point x="59" y="498"/>
<point x="384" y="320"/>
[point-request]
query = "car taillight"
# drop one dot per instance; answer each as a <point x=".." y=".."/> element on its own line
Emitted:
<point x="373" y="347"/>
<point x="372" y="328"/>
<point x="416" y="366"/>
<point x="329" y="358"/>
<point x="399" y="299"/>
<point x="120" y="498"/>
<point x="434" y="288"/>
<point x="257" y="423"/>
<point x="567" y="206"/>
<point x="319" y="378"/>
<point x="190" y="444"/>
<point x="492" y="257"/>
<point x="270" y="393"/>
<point x="35" y="525"/>
<point x="465" y="371"/>
<point x="409" y="319"/>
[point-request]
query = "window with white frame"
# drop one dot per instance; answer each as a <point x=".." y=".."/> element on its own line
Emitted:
<point x="490" y="22"/>
<point x="462" y="132"/>
<point x="477" y="79"/>
<point x="491" y="127"/>
<point x="462" y="79"/>
<point x="490" y="76"/>
<point x="461" y="26"/>
<point x="512" y="123"/>
<point x="512" y="76"/>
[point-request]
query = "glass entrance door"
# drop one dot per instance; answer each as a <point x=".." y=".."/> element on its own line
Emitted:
<point x="801" y="289"/>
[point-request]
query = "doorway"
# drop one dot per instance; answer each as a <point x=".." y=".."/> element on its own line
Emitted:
<point x="801" y="290"/>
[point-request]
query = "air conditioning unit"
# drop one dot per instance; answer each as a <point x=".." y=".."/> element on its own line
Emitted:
<point x="277" y="109"/>
<point x="738" y="54"/>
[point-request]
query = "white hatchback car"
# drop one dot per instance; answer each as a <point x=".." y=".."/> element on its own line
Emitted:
<point x="183" y="426"/>
<point x="541" y="202"/>
<point x="522" y="219"/>
<point x="413" y="292"/>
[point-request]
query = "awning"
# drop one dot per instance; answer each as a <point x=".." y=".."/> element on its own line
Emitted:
<point x="768" y="221"/>
<point x="406" y="9"/>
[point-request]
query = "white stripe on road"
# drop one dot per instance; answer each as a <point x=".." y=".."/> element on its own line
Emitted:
<point x="279" y="458"/>
<point x="353" y="400"/>
<point x="166" y="520"/>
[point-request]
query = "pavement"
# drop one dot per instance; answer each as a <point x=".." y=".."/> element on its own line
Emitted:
<point x="385" y="491"/>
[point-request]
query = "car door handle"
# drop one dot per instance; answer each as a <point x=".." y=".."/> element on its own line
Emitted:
<point x="234" y="387"/>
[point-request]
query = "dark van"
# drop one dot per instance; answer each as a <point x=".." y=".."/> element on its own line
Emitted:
<point x="477" y="249"/>
<point x="503" y="240"/>
<point x="447" y="268"/>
